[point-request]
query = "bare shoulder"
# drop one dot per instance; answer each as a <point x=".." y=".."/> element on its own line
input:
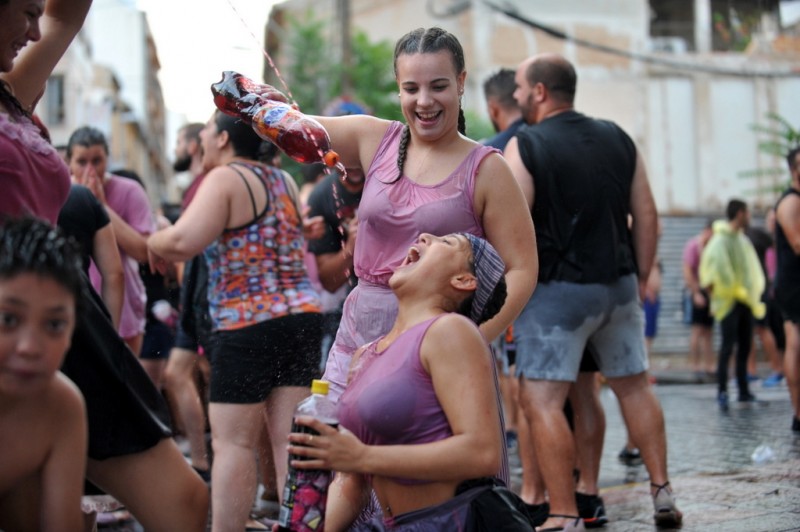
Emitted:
<point x="67" y="393"/>
<point x="454" y="331"/>
<point x="495" y="163"/>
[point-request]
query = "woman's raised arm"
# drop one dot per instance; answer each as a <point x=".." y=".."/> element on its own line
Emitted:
<point x="61" y="22"/>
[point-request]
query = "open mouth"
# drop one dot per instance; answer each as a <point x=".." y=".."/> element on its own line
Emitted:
<point x="412" y="256"/>
<point x="429" y="117"/>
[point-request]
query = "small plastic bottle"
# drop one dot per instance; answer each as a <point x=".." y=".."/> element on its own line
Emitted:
<point x="306" y="491"/>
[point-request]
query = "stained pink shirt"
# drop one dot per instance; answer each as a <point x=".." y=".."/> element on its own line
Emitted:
<point x="128" y="199"/>
<point x="390" y="399"/>
<point x="392" y="213"/>
<point x="691" y="254"/>
<point x="34" y="179"/>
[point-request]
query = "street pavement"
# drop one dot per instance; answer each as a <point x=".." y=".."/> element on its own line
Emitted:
<point x="718" y="485"/>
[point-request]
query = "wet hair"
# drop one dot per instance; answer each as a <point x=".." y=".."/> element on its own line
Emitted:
<point x="500" y="86"/>
<point x="31" y="245"/>
<point x="735" y="206"/>
<point x="555" y="73"/>
<point x="791" y="157"/>
<point x="244" y="140"/>
<point x="86" y="136"/>
<point x="267" y="152"/>
<point x="428" y="41"/>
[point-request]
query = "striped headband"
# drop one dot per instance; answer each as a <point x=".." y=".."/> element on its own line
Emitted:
<point x="489" y="269"/>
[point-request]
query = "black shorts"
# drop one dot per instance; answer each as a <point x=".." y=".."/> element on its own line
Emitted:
<point x="184" y="340"/>
<point x="788" y="302"/>
<point x="247" y="363"/>
<point x="702" y="315"/>
<point x="158" y="340"/>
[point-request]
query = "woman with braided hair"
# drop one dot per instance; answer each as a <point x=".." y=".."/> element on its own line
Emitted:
<point x="418" y="420"/>
<point x="424" y="177"/>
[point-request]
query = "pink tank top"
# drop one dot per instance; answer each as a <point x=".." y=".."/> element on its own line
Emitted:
<point x="390" y="399"/>
<point x="394" y="212"/>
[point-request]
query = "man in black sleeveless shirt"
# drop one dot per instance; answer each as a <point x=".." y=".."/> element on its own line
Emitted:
<point x="787" y="278"/>
<point x="583" y="178"/>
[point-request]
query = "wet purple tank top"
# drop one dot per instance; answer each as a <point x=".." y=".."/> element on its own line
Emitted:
<point x="390" y="398"/>
<point x="394" y="212"/>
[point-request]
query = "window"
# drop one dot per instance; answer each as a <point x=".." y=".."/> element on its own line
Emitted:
<point x="56" y="109"/>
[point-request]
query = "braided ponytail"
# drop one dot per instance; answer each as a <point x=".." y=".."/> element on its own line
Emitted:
<point x="10" y="101"/>
<point x="402" y="151"/>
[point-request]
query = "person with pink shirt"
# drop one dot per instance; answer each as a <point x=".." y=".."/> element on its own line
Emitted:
<point x="701" y="350"/>
<point x="131" y="216"/>
<point x="424" y="176"/>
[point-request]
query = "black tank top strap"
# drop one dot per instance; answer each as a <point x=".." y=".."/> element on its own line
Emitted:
<point x="249" y="190"/>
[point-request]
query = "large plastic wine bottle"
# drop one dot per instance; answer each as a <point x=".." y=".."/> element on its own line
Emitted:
<point x="306" y="491"/>
<point x="271" y="115"/>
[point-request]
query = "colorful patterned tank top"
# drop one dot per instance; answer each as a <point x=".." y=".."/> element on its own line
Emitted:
<point x="256" y="271"/>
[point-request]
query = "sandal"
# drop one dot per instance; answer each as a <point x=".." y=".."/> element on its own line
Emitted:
<point x="666" y="513"/>
<point x="573" y="526"/>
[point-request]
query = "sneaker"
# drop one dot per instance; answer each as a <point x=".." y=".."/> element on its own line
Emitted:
<point x="796" y="424"/>
<point x="666" y="513"/>
<point x="773" y="380"/>
<point x="537" y="513"/>
<point x="591" y="509"/>
<point x="722" y="401"/>
<point x="630" y="457"/>
<point x="752" y="378"/>
<point x="747" y="398"/>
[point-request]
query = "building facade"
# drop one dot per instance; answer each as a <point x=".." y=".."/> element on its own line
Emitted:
<point x="108" y="79"/>
<point x="687" y="79"/>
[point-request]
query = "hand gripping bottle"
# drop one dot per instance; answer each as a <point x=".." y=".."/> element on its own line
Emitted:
<point x="306" y="491"/>
<point x="271" y="115"/>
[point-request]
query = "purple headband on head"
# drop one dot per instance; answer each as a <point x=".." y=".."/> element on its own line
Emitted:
<point x="489" y="269"/>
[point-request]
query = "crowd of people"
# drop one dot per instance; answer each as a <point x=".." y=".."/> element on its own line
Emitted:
<point x="495" y="283"/>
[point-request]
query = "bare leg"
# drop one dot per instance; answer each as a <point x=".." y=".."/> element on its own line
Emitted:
<point x="183" y="394"/>
<point x="267" y="465"/>
<point x="533" y="490"/>
<point x="770" y="348"/>
<point x="154" y="369"/>
<point x="791" y="363"/>
<point x="706" y="342"/>
<point x="695" y="354"/>
<point x="281" y="404"/>
<point x="135" y="343"/>
<point x="234" y="429"/>
<point x="751" y="357"/>
<point x="158" y="487"/>
<point x="543" y="404"/>
<point x="590" y="430"/>
<point x="645" y="421"/>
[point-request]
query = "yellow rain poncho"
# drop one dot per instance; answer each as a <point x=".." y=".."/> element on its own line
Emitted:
<point x="730" y="266"/>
